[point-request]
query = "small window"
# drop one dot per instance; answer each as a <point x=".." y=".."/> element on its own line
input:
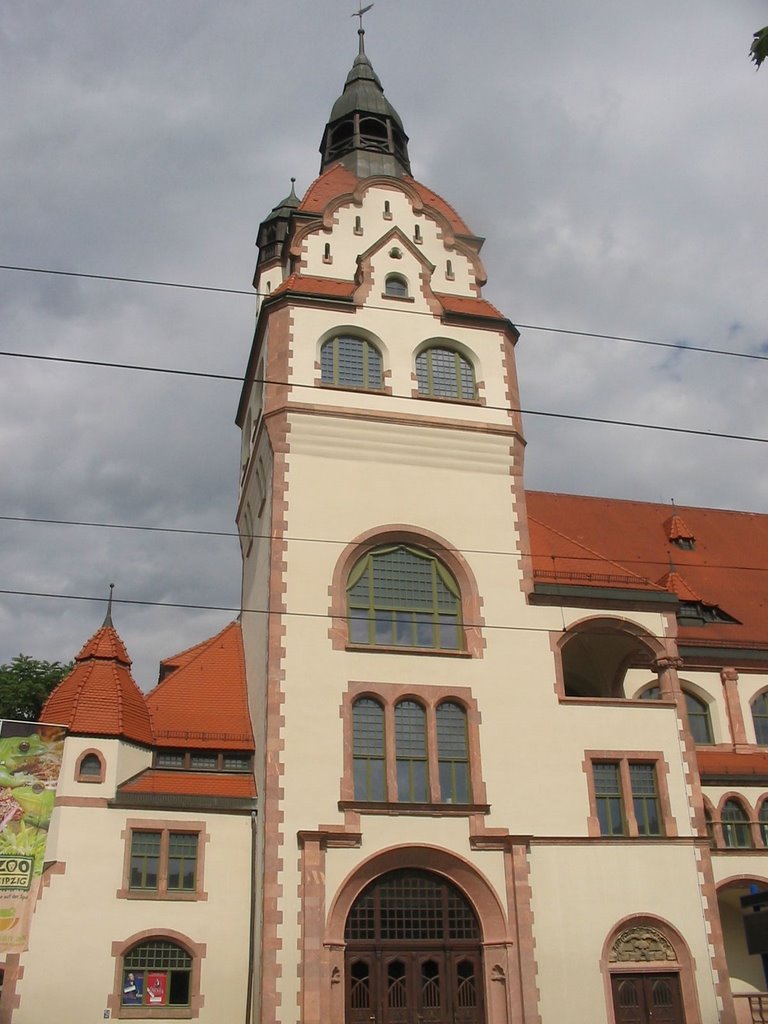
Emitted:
<point x="609" y="799"/>
<point x="763" y="819"/>
<point x="163" y="863"/>
<point x="449" y="270"/>
<point x="237" y="763"/>
<point x="411" y="747"/>
<point x="91" y="768"/>
<point x="698" y="719"/>
<point x="169" y="759"/>
<point x="445" y="373"/>
<point x="358" y="226"/>
<point x="760" y="718"/>
<point x="453" y="753"/>
<point x="156" y="973"/>
<point x="645" y="798"/>
<point x="204" y="762"/>
<point x="351" y="363"/>
<point x="327" y="253"/>
<point x="735" y="825"/>
<point x="400" y="596"/>
<point x="396" y="286"/>
<point x="369" y="764"/>
<point x="387" y="210"/>
<point x="417" y="234"/>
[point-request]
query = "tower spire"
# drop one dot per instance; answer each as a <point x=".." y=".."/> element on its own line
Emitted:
<point x="361" y="31"/>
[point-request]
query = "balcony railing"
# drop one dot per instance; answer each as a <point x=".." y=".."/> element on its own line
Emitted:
<point x="751" y="1009"/>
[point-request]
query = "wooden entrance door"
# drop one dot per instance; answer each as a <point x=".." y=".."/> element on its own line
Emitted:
<point x="647" y="999"/>
<point x="413" y="954"/>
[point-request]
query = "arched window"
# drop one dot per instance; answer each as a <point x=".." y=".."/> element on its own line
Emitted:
<point x="368" y="750"/>
<point x="351" y="363"/>
<point x="411" y="752"/>
<point x="91" y="766"/>
<point x="763" y="819"/>
<point x="453" y="753"/>
<point x="399" y="596"/>
<point x="156" y="973"/>
<point x="397" y="286"/>
<point x="735" y="826"/>
<point x="698" y="719"/>
<point x="445" y="373"/>
<point x="760" y="718"/>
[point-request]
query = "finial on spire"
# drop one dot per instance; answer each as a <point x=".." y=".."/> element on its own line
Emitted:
<point x="361" y="31"/>
<point x="108" y="616"/>
<point x="293" y="189"/>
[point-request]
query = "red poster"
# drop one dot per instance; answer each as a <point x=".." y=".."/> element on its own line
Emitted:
<point x="156" y="983"/>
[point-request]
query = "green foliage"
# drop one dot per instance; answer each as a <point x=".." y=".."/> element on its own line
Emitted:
<point x="24" y="685"/>
<point x="759" y="48"/>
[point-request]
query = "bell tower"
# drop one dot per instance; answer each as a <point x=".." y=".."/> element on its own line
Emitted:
<point x="382" y="454"/>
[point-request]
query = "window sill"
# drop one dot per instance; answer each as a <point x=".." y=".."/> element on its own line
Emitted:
<point x="440" y="652"/>
<point x="351" y="387"/>
<point x="398" y="298"/>
<point x="428" y="810"/>
<point x="454" y="399"/>
<point x="164" y="897"/>
<point x="154" y="1013"/>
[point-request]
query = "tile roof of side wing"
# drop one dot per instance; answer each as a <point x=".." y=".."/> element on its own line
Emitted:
<point x="203" y="702"/>
<point x="727" y="566"/>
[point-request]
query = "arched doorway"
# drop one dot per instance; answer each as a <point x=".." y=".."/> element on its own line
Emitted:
<point x="413" y="953"/>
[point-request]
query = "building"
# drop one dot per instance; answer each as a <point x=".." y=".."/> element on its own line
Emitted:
<point x="508" y="746"/>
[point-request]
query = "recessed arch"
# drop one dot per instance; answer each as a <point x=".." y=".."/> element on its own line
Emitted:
<point x="595" y="654"/>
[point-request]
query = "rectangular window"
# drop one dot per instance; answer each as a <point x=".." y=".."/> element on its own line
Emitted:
<point x="645" y="798"/>
<point x="169" y="759"/>
<point x="608" y="798"/>
<point x="236" y="763"/>
<point x="163" y="862"/>
<point x="204" y="762"/>
<point x="628" y="795"/>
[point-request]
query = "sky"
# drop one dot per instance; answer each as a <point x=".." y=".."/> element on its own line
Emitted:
<point x="614" y="156"/>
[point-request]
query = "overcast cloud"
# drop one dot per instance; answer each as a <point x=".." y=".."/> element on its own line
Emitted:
<point x="614" y="155"/>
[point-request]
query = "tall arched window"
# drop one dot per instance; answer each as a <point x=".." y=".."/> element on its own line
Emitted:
<point x="735" y="826"/>
<point x="763" y="819"/>
<point x="698" y="719"/>
<point x="453" y="753"/>
<point x="445" y="373"/>
<point x="411" y="752"/>
<point x="368" y="750"/>
<point x="760" y="718"/>
<point x="400" y="596"/>
<point x="351" y="362"/>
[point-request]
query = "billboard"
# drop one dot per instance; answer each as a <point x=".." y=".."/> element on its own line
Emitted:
<point x="30" y="761"/>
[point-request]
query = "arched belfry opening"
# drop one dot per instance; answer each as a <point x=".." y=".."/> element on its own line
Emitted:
<point x="413" y="952"/>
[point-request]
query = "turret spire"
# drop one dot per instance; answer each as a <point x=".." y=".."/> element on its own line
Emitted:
<point x="364" y="132"/>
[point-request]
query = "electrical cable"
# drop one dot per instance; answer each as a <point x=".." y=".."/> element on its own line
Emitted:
<point x="602" y="420"/>
<point x="252" y="293"/>
<point x="586" y="557"/>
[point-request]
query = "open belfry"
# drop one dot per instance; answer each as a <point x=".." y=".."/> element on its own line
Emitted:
<point x="471" y="754"/>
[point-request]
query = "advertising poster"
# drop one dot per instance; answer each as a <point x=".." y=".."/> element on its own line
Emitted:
<point x="30" y="761"/>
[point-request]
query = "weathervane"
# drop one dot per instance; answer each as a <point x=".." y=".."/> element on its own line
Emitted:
<point x="359" y="14"/>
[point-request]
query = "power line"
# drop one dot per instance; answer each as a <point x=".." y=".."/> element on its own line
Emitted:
<point x="602" y="420"/>
<point x="185" y="606"/>
<point x="342" y="543"/>
<point x="252" y="293"/>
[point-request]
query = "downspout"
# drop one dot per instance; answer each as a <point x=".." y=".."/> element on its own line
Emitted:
<point x="251" y="923"/>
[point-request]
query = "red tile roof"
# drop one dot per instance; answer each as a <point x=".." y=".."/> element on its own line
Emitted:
<point x="468" y="305"/>
<point x="678" y="529"/>
<point x="675" y="584"/>
<point x="728" y="566"/>
<point x="99" y="696"/>
<point x="173" y="783"/>
<point x="307" y="285"/>
<point x="338" y="181"/>
<point x="203" y="703"/>
<point x="729" y="763"/>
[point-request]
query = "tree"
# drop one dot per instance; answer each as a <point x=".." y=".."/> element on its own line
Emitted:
<point x="759" y="47"/>
<point x="24" y="685"/>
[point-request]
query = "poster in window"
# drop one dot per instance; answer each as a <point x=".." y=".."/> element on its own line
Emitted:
<point x="156" y="982"/>
<point x="30" y="761"/>
<point x="133" y="988"/>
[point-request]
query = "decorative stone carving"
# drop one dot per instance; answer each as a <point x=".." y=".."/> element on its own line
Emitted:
<point x="644" y="945"/>
<point x="335" y="976"/>
<point x="497" y="973"/>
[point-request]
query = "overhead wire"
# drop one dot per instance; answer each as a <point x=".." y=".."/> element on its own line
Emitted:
<point x="547" y="414"/>
<point x="253" y="293"/>
<point x="184" y="531"/>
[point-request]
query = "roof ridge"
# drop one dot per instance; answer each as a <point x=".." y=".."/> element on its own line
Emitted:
<point x="200" y="649"/>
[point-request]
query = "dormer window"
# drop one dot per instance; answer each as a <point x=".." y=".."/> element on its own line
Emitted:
<point x="684" y="543"/>
<point x="396" y="286"/>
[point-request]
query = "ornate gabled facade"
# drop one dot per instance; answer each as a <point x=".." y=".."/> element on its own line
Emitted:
<point x="510" y="748"/>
